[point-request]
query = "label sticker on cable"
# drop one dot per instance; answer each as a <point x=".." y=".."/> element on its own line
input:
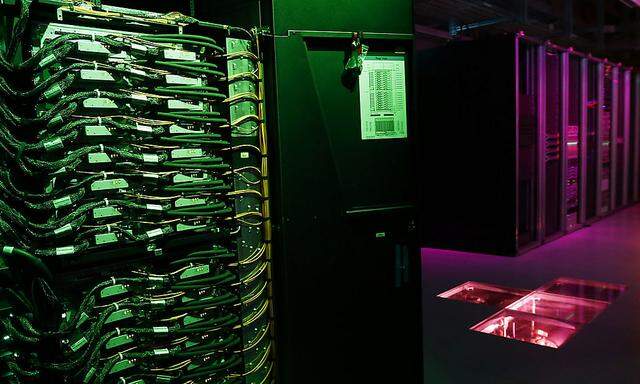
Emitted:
<point x="175" y="54"/>
<point x="99" y="103"/>
<point x="53" y="144"/>
<point x="96" y="75"/>
<point x="186" y="153"/>
<point x="68" y="250"/>
<point x="179" y="104"/>
<point x="64" y="229"/>
<point x="139" y="47"/>
<point x="137" y="71"/>
<point x="144" y="128"/>
<point x="139" y="97"/>
<point x="154" y="207"/>
<point x="62" y="202"/>
<point x="150" y="158"/>
<point x="177" y="79"/>
<point x="176" y="129"/>
<point x="94" y="47"/>
<point x="154" y="233"/>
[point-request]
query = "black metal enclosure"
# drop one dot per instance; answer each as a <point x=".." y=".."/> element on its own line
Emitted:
<point x="349" y="268"/>
<point x="467" y="122"/>
<point x="346" y="258"/>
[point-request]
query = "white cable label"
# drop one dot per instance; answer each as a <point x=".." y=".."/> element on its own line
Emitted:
<point x="63" y="229"/>
<point x="62" y="202"/>
<point x="137" y="71"/>
<point x="137" y="96"/>
<point x="150" y="158"/>
<point x="139" y="47"/>
<point x="175" y="54"/>
<point x="143" y="128"/>
<point x="154" y="233"/>
<point x="68" y="250"/>
<point x="51" y="145"/>
<point x="177" y="79"/>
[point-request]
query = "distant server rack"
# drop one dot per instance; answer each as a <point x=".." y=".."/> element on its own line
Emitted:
<point x="543" y="140"/>
<point x="634" y="140"/>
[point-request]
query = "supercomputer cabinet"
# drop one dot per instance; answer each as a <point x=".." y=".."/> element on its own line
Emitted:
<point x="346" y="261"/>
<point x="615" y="138"/>
<point x="591" y="144"/>
<point x="554" y="116"/>
<point x="622" y="137"/>
<point x="575" y="139"/>
<point x="608" y="130"/>
<point x="634" y="139"/>
<point x="524" y="140"/>
<point x="145" y="223"/>
<point x="349" y="265"/>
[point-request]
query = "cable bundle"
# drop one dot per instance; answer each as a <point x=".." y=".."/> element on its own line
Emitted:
<point x="133" y="141"/>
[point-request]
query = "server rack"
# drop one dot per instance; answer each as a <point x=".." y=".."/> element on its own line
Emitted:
<point x="574" y="140"/>
<point x="592" y="155"/>
<point x="622" y="144"/>
<point x="530" y="88"/>
<point x="556" y="157"/>
<point x="552" y="131"/>
<point x="97" y="277"/>
<point x="349" y="265"/>
<point x="635" y="140"/>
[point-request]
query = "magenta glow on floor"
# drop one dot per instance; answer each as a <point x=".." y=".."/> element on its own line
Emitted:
<point x="606" y="350"/>
<point x="548" y="316"/>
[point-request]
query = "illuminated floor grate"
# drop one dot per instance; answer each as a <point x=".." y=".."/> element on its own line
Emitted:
<point x="487" y="294"/>
<point x="586" y="289"/>
<point x="528" y="328"/>
<point x="547" y="316"/>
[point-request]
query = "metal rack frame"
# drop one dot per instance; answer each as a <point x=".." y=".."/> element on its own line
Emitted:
<point x="636" y="143"/>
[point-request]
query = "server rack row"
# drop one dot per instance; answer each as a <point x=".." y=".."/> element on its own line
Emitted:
<point x="565" y="124"/>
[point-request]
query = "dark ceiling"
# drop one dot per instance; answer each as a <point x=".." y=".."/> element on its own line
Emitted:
<point x="608" y="28"/>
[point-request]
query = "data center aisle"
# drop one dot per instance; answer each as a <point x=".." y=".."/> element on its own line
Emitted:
<point x="605" y="351"/>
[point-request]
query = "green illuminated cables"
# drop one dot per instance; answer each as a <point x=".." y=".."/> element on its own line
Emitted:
<point x="193" y="68"/>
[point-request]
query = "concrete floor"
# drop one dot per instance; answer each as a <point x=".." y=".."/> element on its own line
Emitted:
<point x="605" y="351"/>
